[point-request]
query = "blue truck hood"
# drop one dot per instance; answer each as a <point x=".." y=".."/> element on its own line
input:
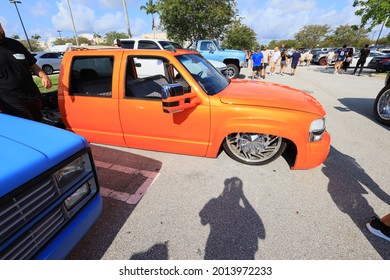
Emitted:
<point x="27" y="149"/>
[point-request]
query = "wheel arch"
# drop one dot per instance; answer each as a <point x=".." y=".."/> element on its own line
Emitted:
<point x="277" y="128"/>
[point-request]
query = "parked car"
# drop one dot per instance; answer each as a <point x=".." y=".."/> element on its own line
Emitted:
<point x="320" y="57"/>
<point x="162" y="44"/>
<point x="190" y="109"/>
<point x="382" y="103"/>
<point x="380" y="63"/>
<point x="49" y="61"/>
<point x="369" y="58"/>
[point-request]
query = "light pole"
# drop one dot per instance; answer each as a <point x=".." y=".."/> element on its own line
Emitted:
<point x="127" y="18"/>
<point x="25" y="33"/>
<point x="74" y="28"/>
<point x="59" y="33"/>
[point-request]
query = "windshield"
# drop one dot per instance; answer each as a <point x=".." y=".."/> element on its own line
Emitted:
<point x="210" y="79"/>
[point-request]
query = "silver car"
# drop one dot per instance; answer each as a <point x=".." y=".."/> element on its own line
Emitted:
<point x="49" y="61"/>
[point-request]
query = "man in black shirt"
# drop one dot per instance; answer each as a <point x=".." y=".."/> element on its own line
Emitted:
<point x="364" y="53"/>
<point x="19" y="95"/>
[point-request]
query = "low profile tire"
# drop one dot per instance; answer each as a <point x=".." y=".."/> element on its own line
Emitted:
<point x="232" y="71"/>
<point x="254" y="148"/>
<point x="382" y="106"/>
<point x="47" y="69"/>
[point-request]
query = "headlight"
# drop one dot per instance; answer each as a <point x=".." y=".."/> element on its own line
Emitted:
<point x="71" y="171"/>
<point x="77" y="196"/>
<point x="317" y="129"/>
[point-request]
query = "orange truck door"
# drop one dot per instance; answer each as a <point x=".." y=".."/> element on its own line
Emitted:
<point x="144" y="123"/>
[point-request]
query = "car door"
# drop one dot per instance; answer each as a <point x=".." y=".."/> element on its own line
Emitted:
<point x="144" y="123"/>
<point x="89" y="103"/>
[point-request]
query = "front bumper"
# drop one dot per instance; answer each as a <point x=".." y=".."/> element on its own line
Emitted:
<point x="313" y="154"/>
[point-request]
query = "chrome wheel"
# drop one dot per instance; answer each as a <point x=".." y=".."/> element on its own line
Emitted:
<point x="382" y="106"/>
<point x="254" y="148"/>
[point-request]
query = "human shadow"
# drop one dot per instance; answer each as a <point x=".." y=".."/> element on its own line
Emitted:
<point x="234" y="229"/>
<point x="362" y="106"/>
<point x="156" y="252"/>
<point x="346" y="181"/>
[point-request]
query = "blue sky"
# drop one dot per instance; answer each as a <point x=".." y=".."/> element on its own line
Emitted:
<point x="270" y="19"/>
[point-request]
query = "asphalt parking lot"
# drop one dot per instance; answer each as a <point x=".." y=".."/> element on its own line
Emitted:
<point x="167" y="206"/>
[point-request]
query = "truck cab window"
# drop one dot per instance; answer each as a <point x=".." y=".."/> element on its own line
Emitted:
<point x="92" y="76"/>
<point x="150" y="74"/>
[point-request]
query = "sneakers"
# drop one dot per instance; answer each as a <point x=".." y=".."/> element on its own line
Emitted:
<point x="378" y="228"/>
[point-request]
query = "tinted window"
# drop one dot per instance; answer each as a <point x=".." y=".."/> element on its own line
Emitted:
<point x="92" y="76"/>
<point x="147" y="45"/>
<point x="127" y="44"/>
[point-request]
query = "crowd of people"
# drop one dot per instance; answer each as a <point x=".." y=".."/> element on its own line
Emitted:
<point x="277" y="60"/>
<point x="261" y="59"/>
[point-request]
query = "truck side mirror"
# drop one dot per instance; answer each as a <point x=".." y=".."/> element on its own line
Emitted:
<point x="174" y="100"/>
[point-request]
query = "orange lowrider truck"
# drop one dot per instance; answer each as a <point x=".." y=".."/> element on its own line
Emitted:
<point x="176" y="101"/>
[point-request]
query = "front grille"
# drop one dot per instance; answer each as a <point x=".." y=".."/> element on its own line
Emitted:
<point x="17" y="210"/>
<point x="31" y="241"/>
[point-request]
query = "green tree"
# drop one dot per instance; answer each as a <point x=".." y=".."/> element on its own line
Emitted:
<point x="310" y="36"/>
<point x="15" y="36"/>
<point x="35" y="47"/>
<point x="346" y="34"/>
<point x="272" y="44"/>
<point x="150" y="8"/>
<point x="185" y="20"/>
<point x="112" y="35"/>
<point x="373" y="12"/>
<point x="240" y="37"/>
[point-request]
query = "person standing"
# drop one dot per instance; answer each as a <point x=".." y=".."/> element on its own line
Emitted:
<point x="283" y="61"/>
<point x="266" y="58"/>
<point x="329" y="59"/>
<point x="309" y="58"/>
<point x="295" y="59"/>
<point x="19" y="95"/>
<point x="340" y="57"/>
<point x="275" y="56"/>
<point x="257" y="58"/>
<point x="364" y="53"/>
<point x="247" y="57"/>
<point x="347" y="61"/>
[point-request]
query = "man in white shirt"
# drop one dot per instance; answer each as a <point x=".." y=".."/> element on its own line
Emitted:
<point x="274" y="59"/>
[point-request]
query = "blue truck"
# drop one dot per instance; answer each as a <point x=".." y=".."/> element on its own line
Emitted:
<point x="49" y="192"/>
<point x="210" y="49"/>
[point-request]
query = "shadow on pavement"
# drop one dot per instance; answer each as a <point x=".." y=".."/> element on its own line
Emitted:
<point x="362" y="106"/>
<point x="235" y="227"/>
<point x="156" y="252"/>
<point x="348" y="185"/>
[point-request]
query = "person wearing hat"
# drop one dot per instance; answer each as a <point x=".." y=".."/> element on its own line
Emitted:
<point x="19" y="95"/>
<point x="257" y="58"/>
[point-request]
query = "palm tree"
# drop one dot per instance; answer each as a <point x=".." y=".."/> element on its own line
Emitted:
<point x="97" y="38"/>
<point x="150" y="8"/>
